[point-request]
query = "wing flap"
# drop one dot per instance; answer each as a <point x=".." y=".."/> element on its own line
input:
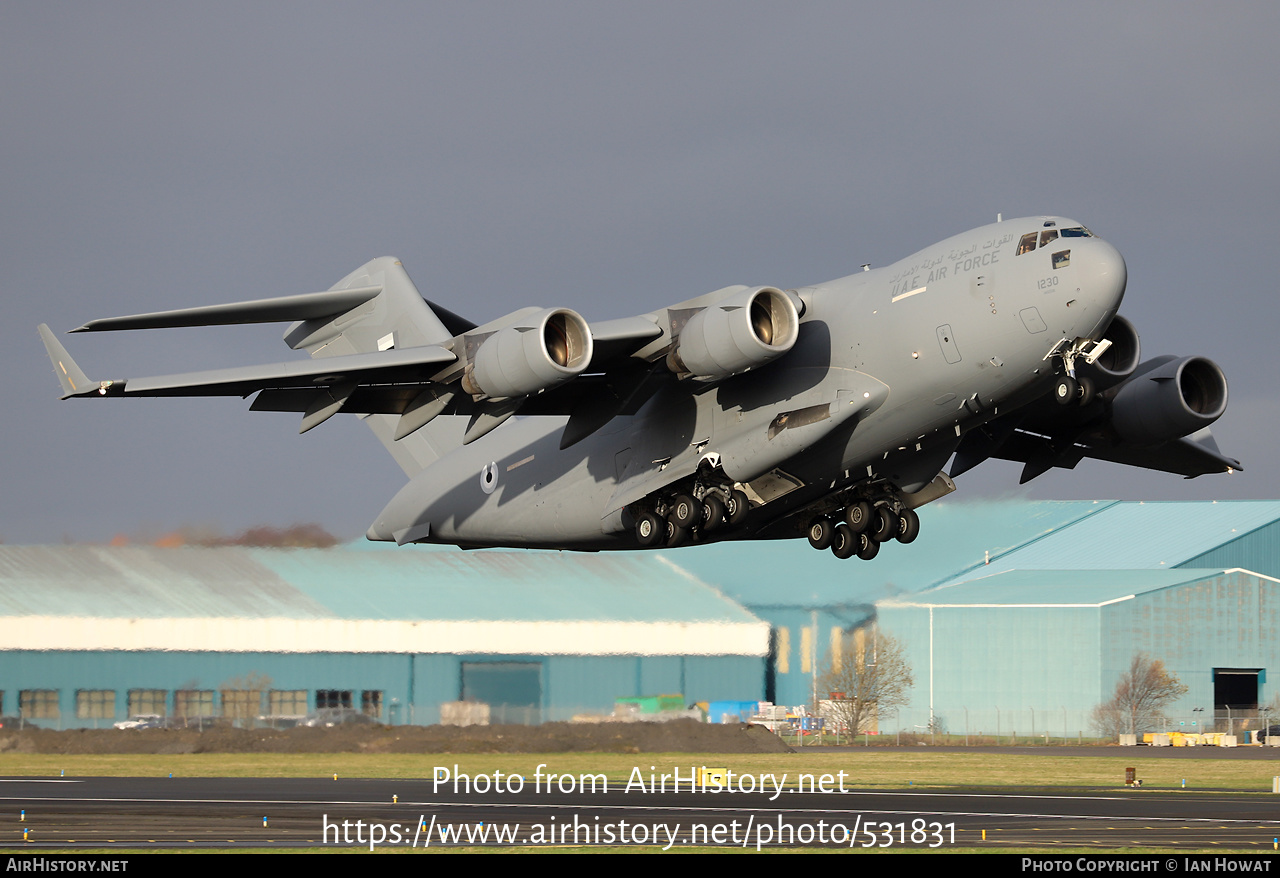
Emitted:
<point x="1190" y="456"/>
<point x="410" y="365"/>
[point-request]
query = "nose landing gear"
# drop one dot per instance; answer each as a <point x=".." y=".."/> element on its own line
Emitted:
<point x="1068" y="388"/>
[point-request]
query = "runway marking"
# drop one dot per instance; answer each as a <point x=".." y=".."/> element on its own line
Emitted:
<point x="665" y="808"/>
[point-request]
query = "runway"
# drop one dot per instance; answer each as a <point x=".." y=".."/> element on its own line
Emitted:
<point x="164" y="813"/>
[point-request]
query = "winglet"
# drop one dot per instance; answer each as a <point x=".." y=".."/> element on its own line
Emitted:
<point x="74" y="381"/>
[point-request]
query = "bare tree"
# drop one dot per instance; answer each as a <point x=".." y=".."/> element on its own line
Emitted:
<point x="1142" y="693"/>
<point x="869" y="676"/>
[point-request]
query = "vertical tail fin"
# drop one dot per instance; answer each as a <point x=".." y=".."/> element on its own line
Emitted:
<point x="397" y="317"/>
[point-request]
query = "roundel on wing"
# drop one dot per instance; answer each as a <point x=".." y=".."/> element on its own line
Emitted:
<point x="489" y="477"/>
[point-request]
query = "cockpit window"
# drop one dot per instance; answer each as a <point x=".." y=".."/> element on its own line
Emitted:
<point x="1046" y="237"/>
<point x="1077" y="232"/>
<point x="1027" y="244"/>
<point x="1062" y="259"/>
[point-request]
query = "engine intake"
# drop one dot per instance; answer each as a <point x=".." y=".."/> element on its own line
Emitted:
<point x="744" y="331"/>
<point x="544" y="349"/>
<point x="1170" y="399"/>
<point x="1120" y="360"/>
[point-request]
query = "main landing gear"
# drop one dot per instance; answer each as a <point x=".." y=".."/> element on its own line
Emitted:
<point x="672" y="521"/>
<point x="861" y="527"/>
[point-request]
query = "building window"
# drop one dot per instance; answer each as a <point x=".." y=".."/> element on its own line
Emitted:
<point x="333" y="698"/>
<point x="191" y="703"/>
<point x="148" y="702"/>
<point x="241" y="703"/>
<point x="371" y="703"/>
<point x="95" y="703"/>
<point x="288" y="702"/>
<point x="38" y="704"/>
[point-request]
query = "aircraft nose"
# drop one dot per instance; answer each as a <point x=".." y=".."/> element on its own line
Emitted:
<point x="1105" y="274"/>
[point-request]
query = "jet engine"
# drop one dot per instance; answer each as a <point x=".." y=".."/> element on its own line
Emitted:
<point x="1168" y="398"/>
<point x="1119" y="360"/>
<point x="746" y="330"/>
<point x="541" y="351"/>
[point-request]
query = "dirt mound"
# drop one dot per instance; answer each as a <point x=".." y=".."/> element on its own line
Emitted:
<point x="680" y="736"/>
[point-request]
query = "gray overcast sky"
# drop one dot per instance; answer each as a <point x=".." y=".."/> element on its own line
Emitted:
<point x="610" y="157"/>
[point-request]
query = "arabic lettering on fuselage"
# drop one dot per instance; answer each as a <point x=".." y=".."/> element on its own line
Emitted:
<point x="931" y="269"/>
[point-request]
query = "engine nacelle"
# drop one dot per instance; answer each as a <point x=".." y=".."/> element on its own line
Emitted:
<point x="1119" y="361"/>
<point x="744" y="331"/>
<point x="1168" y="399"/>
<point x="539" y="352"/>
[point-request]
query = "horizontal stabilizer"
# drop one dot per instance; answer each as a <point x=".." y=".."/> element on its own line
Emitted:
<point x="308" y="306"/>
<point x="72" y="379"/>
<point x="381" y="367"/>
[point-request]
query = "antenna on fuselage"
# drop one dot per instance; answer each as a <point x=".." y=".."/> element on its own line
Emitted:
<point x="999" y="218"/>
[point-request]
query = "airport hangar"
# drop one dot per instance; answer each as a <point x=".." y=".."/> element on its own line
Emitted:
<point x="1016" y="616"/>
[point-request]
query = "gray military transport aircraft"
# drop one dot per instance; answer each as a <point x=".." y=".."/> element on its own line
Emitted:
<point x="747" y="413"/>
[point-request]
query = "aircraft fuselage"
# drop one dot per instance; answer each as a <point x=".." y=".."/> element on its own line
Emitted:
<point x="891" y="367"/>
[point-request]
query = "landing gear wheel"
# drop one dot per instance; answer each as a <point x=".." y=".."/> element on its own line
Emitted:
<point x="1087" y="392"/>
<point x="684" y="511"/>
<point x="675" y="534"/>
<point x="712" y="513"/>
<point x="821" y="533"/>
<point x="650" y="530"/>
<point x="884" y="525"/>
<point x="844" y="542"/>
<point x="737" y="507"/>
<point x="908" y="526"/>
<point x="1066" y="391"/>
<point x="869" y="551"/>
<point x="858" y="516"/>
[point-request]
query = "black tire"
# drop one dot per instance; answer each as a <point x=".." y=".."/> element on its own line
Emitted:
<point x="650" y="530"/>
<point x="869" y="551"/>
<point x="1065" y="390"/>
<point x="844" y="542"/>
<point x="884" y="525"/>
<point x="908" y="526"/>
<point x="675" y="534"/>
<point x="712" y="513"/>
<point x="685" y="511"/>
<point x="858" y="516"/>
<point x="737" y="507"/>
<point x="821" y="533"/>
<point x="1088" y="390"/>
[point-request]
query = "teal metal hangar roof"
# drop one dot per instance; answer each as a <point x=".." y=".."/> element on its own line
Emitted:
<point x="1050" y="588"/>
<point x="954" y="536"/>
<point x="1137" y="535"/>
<point x="405" y="584"/>
<point x="450" y="584"/>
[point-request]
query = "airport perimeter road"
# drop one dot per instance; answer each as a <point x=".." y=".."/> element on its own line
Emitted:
<point x="193" y="813"/>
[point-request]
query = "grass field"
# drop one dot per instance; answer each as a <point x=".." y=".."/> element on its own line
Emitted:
<point x="874" y="768"/>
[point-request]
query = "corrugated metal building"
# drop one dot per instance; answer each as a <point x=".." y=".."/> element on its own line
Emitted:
<point x="98" y="633"/>
<point x="93" y="634"/>
<point x="813" y="599"/>
<point x="1032" y="641"/>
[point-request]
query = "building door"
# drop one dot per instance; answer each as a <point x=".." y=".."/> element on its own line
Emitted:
<point x="513" y="690"/>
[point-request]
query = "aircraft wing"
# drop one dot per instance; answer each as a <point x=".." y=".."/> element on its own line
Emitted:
<point x="1188" y="456"/>
<point x="379" y="347"/>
